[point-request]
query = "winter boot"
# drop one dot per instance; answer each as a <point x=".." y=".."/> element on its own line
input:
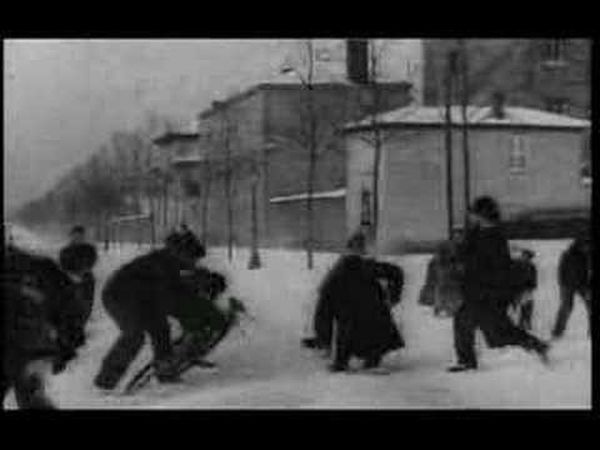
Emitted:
<point x="462" y="367"/>
<point x="542" y="349"/>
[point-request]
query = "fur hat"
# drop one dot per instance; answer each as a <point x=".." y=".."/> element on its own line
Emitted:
<point x="357" y="242"/>
<point x="77" y="229"/>
<point x="486" y="207"/>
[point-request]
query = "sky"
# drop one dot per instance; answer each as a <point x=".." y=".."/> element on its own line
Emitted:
<point x="63" y="98"/>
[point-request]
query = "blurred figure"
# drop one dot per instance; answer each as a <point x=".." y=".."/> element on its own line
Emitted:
<point x="141" y="296"/>
<point x="574" y="278"/>
<point x="487" y="290"/>
<point x="357" y="296"/>
<point x="39" y="333"/>
<point x="443" y="282"/>
<point x="78" y="259"/>
<point x="524" y="279"/>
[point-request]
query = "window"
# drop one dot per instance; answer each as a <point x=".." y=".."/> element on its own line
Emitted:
<point x="365" y="210"/>
<point x="558" y="105"/>
<point x="518" y="158"/>
<point x="554" y="49"/>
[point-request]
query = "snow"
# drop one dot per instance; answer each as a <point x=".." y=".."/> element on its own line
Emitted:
<point x="419" y="115"/>
<point x="261" y="365"/>
<point x="337" y="193"/>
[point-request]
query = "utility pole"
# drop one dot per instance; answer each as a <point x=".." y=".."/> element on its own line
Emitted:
<point x="312" y="156"/>
<point x="377" y="140"/>
<point x="205" y="200"/>
<point x="450" y="71"/>
<point x="465" y="125"/>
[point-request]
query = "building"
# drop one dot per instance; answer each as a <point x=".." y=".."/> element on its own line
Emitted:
<point x="548" y="74"/>
<point x="530" y="160"/>
<point x="256" y="143"/>
<point x="262" y="136"/>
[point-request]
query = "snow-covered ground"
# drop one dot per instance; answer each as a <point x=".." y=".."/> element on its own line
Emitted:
<point x="265" y="367"/>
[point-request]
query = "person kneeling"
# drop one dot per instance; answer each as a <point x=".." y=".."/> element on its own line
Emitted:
<point x="357" y="296"/>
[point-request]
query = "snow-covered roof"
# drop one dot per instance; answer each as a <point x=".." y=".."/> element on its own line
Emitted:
<point x="187" y="160"/>
<point x="476" y="115"/>
<point x="131" y="218"/>
<point x="337" y="193"/>
<point x="171" y="137"/>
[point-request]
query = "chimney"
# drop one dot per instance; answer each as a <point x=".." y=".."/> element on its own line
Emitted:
<point x="357" y="60"/>
<point x="498" y="104"/>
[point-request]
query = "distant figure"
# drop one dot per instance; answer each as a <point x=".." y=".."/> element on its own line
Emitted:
<point x="443" y="283"/>
<point x="78" y="259"/>
<point x="357" y="296"/>
<point x="487" y="290"/>
<point x="574" y="277"/>
<point x="140" y="297"/>
<point x="524" y="279"/>
<point x="38" y="325"/>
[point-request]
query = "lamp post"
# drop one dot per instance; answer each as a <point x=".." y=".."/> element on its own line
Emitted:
<point x="307" y="83"/>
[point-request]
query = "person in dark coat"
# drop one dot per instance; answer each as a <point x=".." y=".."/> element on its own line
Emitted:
<point x="524" y="281"/>
<point x="442" y="289"/>
<point x="78" y="259"/>
<point x="141" y="296"/>
<point x="38" y="325"/>
<point x="574" y="278"/>
<point x="487" y="290"/>
<point x="357" y="296"/>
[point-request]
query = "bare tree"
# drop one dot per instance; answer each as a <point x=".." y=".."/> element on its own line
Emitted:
<point x="318" y="126"/>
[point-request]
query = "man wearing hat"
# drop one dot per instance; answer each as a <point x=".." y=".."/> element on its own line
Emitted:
<point x="486" y="286"/>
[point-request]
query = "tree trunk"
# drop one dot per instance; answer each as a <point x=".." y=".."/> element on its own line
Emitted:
<point x="205" y="204"/>
<point x="449" y="181"/>
<point x="311" y="162"/>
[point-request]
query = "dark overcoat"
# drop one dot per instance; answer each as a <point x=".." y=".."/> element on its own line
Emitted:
<point x="488" y="284"/>
<point x="143" y="293"/>
<point x="358" y="294"/>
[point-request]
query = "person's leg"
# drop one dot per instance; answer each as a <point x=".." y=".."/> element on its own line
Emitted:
<point x="464" y="326"/>
<point x="500" y="331"/>
<point x="343" y="346"/>
<point x="323" y="323"/>
<point x="29" y="390"/>
<point x="88" y="289"/>
<point x="586" y="295"/>
<point x="118" y="359"/>
<point x="567" y="295"/>
<point x="526" y="311"/>
<point x="373" y="361"/>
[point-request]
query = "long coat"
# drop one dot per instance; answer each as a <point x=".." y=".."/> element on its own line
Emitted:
<point x="352" y="295"/>
<point x="41" y="313"/>
<point x="443" y="283"/>
<point x="488" y="283"/>
<point x="143" y="293"/>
